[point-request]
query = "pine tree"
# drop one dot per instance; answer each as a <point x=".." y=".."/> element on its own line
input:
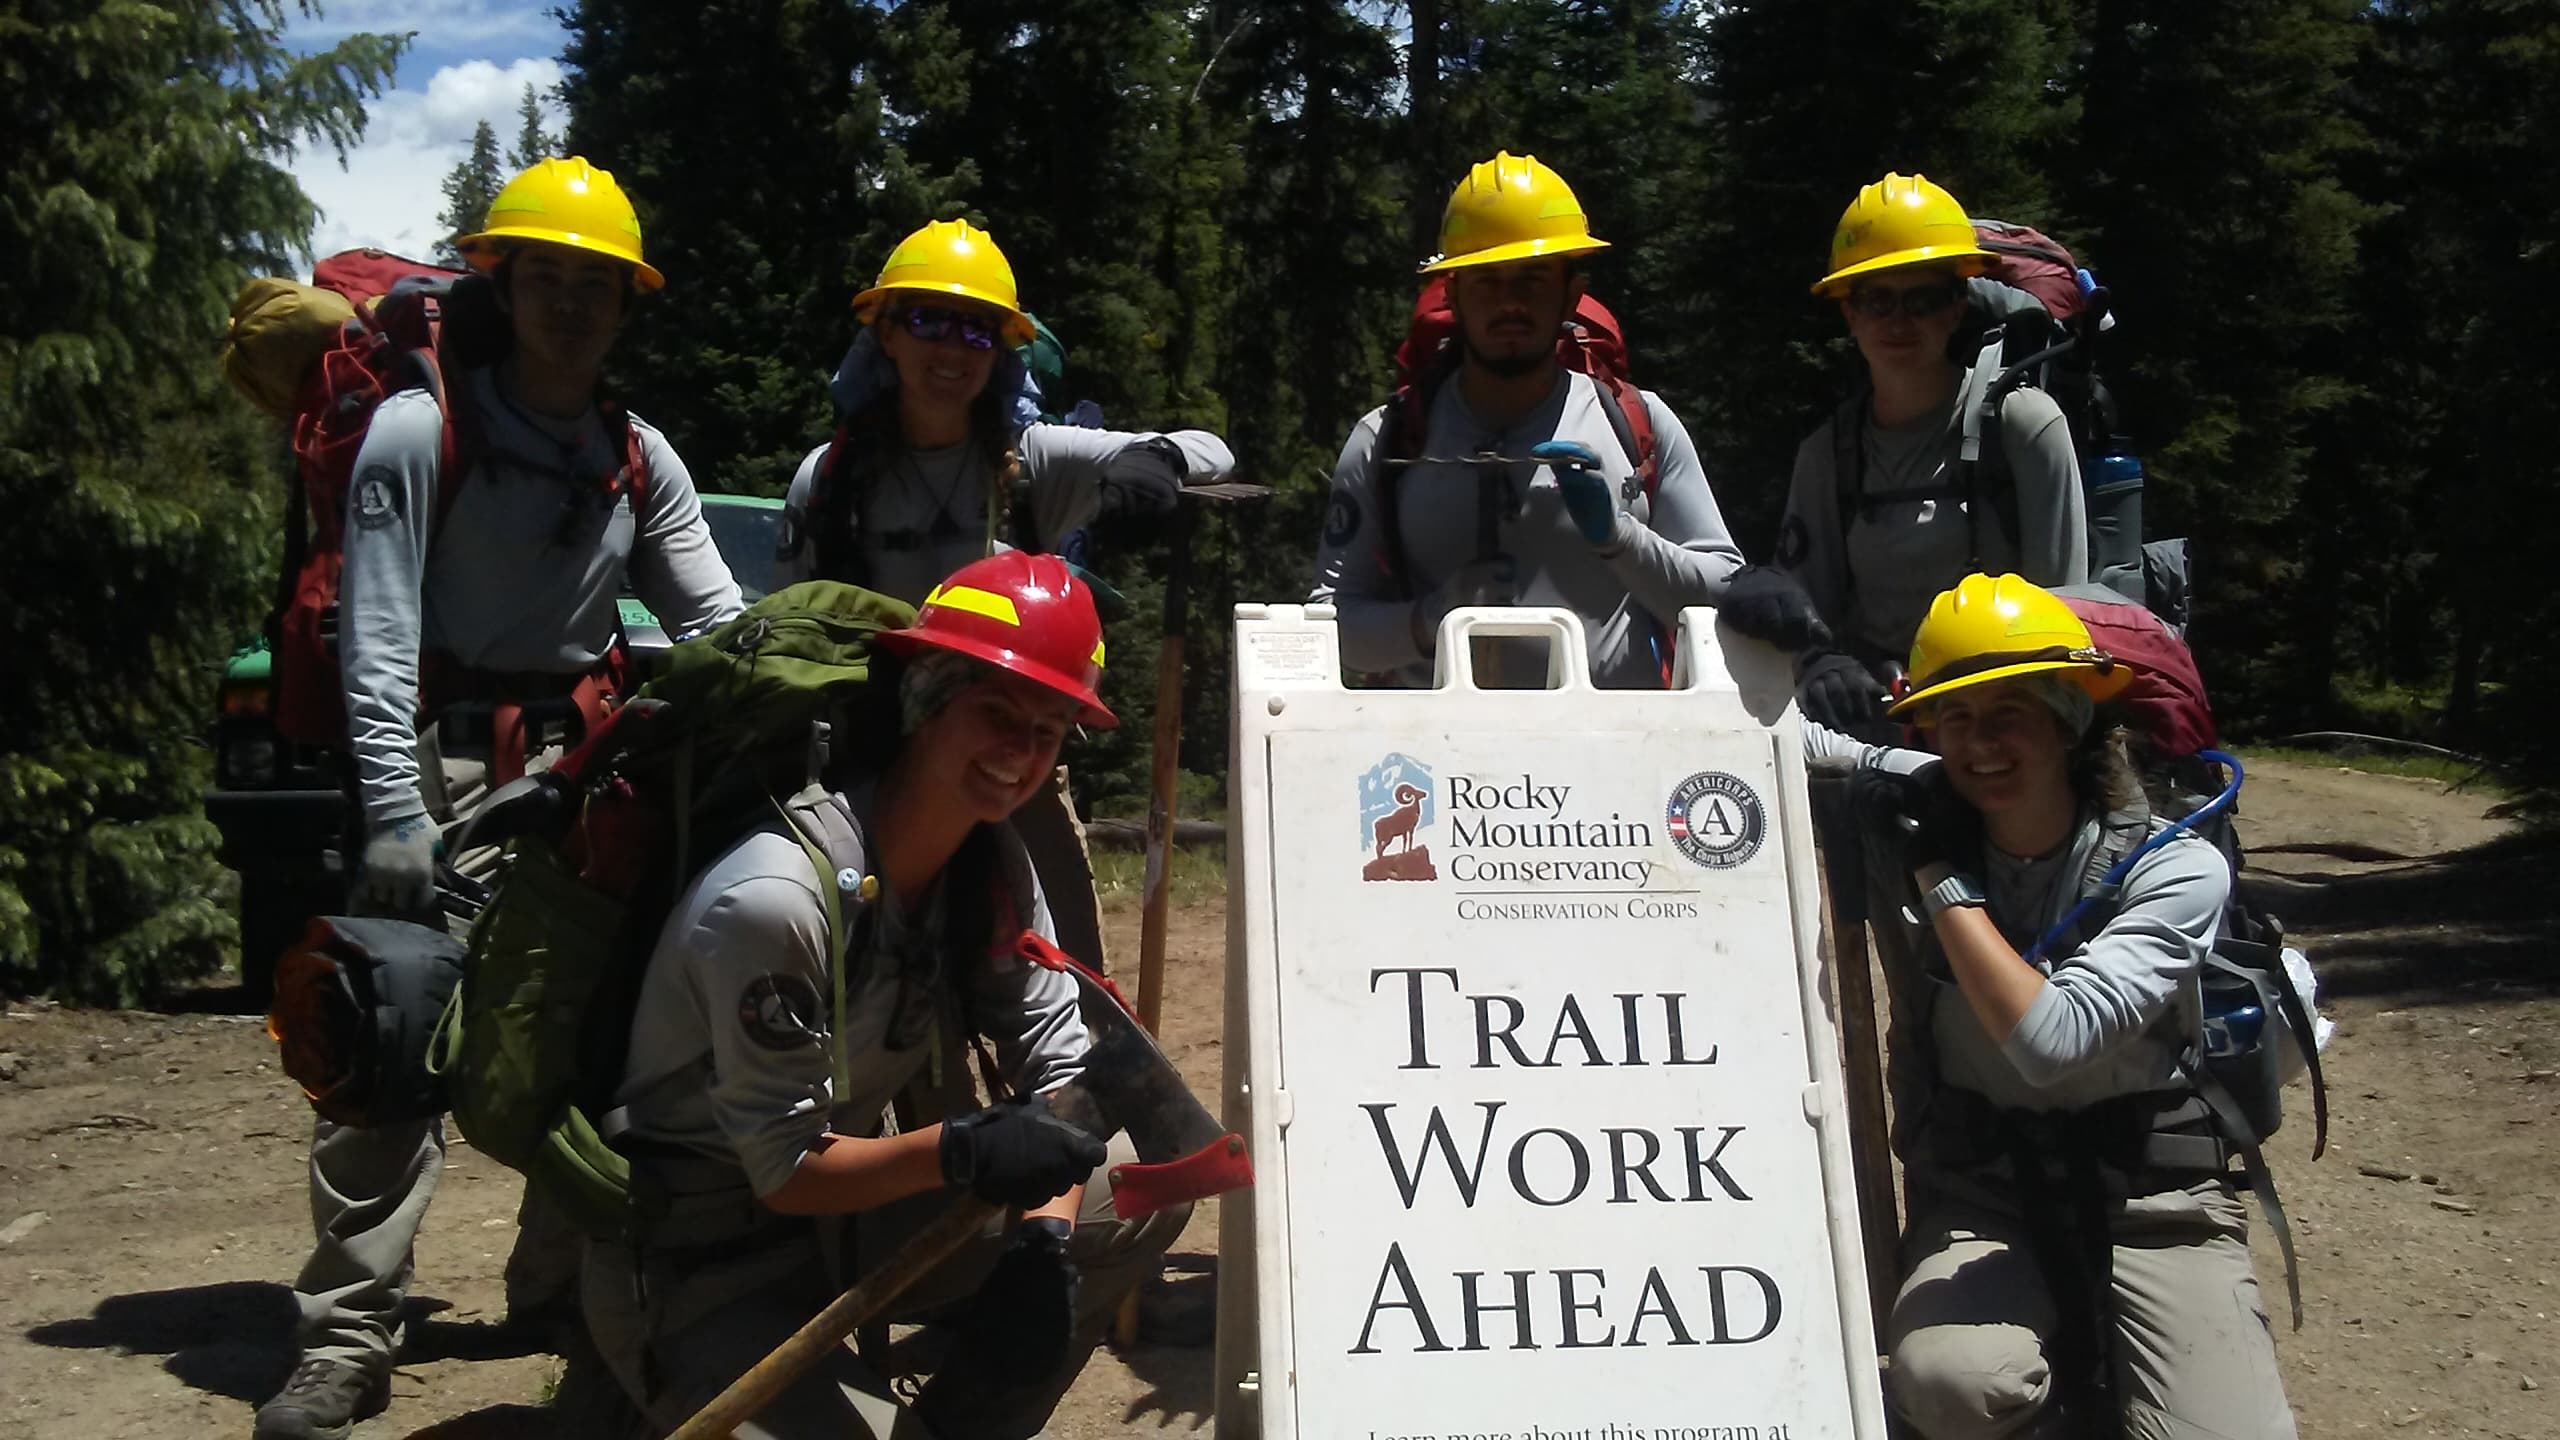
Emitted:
<point x="468" y="191"/>
<point x="2432" y="479"/>
<point x="752" y="136"/>
<point x="533" y="143"/>
<point x="158" y="150"/>
<point x="1803" y="105"/>
<point x="2232" y="263"/>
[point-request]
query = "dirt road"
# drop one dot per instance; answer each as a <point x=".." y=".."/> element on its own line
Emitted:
<point x="152" y="1204"/>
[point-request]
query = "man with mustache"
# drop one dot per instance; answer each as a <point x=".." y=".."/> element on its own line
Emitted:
<point x="1521" y="489"/>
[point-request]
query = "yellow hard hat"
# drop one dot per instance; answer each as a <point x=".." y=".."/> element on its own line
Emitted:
<point x="1900" y="220"/>
<point x="1510" y="208"/>
<point x="563" y="202"/>
<point x="1997" y="628"/>
<point x="950" y="257"/>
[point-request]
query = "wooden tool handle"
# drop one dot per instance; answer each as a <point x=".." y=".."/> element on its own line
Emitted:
<point x="827" y="1329"/>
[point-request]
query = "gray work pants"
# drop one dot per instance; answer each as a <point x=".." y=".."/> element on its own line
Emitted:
<point x="2194" y="1356"/>
<point x="370" y="1187"/>
<point x="677" y="1331"/>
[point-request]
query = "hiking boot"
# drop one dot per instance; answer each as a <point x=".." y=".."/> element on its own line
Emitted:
<point x="324" y="1400"/>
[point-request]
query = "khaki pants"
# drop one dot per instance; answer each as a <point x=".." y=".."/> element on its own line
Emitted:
<point x="677" y="1332"/>
<point x="370" y="1189"/>
<point x="2194" y="1354"/>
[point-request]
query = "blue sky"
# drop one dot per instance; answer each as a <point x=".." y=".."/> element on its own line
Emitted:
<point x="470" y="61"/>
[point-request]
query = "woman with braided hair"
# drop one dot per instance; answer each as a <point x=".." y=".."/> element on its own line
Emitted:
<point x="2077" y="1257"/>
<point x="941" y="441"/>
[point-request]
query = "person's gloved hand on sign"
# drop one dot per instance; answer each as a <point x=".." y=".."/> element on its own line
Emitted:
<point x="2068" y="938"/>
<point x="1451" y="474"/>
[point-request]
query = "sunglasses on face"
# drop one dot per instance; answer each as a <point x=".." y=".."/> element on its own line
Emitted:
<point x="1919" y="303"/>
<point x="933" y="323"/>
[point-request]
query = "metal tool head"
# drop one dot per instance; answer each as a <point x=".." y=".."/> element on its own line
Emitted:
<point x="1129" y="1085"/>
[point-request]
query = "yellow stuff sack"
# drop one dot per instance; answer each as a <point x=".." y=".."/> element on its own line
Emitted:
<point x="279" y="330"/>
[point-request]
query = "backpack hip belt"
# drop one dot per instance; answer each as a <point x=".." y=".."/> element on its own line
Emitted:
<point x="513" y="697"/>
<point x="691" y="1209"/>
<point x="2157" y="1140"/>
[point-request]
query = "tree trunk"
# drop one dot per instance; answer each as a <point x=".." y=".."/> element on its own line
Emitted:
<point x="1428" y="187"/>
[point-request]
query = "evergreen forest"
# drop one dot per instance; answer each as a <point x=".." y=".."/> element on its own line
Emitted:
<point x="2331" y="227"/>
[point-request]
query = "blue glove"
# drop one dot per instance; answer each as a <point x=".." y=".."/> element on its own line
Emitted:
<point x="1588" y="496"/>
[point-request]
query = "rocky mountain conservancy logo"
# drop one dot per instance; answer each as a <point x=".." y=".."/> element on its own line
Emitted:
<point x="1396" y="805"/>
<point x="1716" y="820"/>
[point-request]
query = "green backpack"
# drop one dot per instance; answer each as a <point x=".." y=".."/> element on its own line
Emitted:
<point x="532" y="1045"/>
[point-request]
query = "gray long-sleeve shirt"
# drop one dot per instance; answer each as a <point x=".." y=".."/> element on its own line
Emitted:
<point x="924" y="514"/>
<point x="1874" y="580"/>
<point x="1671" y="549"/>
<point x="2117" y="1009"/>
<point x="519" y="576"/>
<point x="733" y="1042"/>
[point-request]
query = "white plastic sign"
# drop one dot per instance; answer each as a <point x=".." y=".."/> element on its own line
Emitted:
<point x="1526" y="1025"/>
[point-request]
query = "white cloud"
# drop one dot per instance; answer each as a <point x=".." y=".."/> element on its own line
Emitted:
<point x="391" y="188"/>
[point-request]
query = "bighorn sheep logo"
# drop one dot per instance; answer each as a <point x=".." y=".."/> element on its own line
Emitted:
<point x="1397" y="824"/>
<point x="1397" y="808"/>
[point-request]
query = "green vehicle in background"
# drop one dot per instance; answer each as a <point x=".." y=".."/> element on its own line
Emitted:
<point x="283" y="809"/>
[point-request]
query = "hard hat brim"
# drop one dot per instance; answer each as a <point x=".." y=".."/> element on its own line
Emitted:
<point x="907" y="643"/>
<point x="1516" y="250"/>
<point x="1836" y="284"/>
<point x="2102" y="685"/>
<point x="485" y="249"/>
<point x="1018" y="329"/>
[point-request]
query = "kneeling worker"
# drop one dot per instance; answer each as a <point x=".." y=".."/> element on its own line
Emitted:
<point x="759" y="1069"/>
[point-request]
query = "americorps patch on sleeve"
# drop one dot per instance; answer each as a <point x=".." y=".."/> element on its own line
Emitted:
<point x="376" y="499"/>
<point x="1793" y="542"/>
<point x="780" y="1012"/>
<point x="1341" y="517"/>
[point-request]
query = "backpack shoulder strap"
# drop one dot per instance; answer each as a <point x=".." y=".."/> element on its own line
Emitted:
<point x="1849" y="474"/>
<point x="633" y="476"/>
<point x="1987" y="443"/>
<point x="461" y="430"/>
<point x="1633" y="425"/>
<point x="1403" y="429"/>
<point x="831" y="508"/>
<point x="823" y="824"/>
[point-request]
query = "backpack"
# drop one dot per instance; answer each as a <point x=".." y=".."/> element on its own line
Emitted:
<point x="325" y="356"/>
<point x="731" y="734"/>
<point x="2165" y="706"/>
<point x="2033" y="319"/>
<point x="1592" y="342"/>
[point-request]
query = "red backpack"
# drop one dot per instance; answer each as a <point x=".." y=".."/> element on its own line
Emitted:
<point x="2165" y="706"/>
<point x="1592" y="343"/>
<point x="413" y="324"/>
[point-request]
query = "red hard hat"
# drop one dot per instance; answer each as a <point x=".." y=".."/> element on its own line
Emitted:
<point x="1021" y="613"/>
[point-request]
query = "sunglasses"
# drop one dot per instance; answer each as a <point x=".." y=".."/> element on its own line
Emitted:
<point x="933" y="323"/>
<point x="1919" y="303"/>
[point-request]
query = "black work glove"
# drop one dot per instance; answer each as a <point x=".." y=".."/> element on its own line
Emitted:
<point x="1145" y="478"/>
<point x="1836" y="691"/>
<point x="1016" y="1334"/>
<point x="1026" y="1312"/>
<point x="1920" y="813"/>
<point x="1768" y="605"/>
<point x="1016" y="1153"/>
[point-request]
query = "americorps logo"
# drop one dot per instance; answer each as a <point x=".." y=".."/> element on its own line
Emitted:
<point x="1396" y="806"/>
<point x="1716" y="819"/>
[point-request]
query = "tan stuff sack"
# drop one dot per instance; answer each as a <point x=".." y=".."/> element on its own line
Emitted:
<point x="279" y="330"/>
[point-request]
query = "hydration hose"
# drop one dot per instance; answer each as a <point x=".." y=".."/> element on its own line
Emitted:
<point x="2114" y="877"/>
